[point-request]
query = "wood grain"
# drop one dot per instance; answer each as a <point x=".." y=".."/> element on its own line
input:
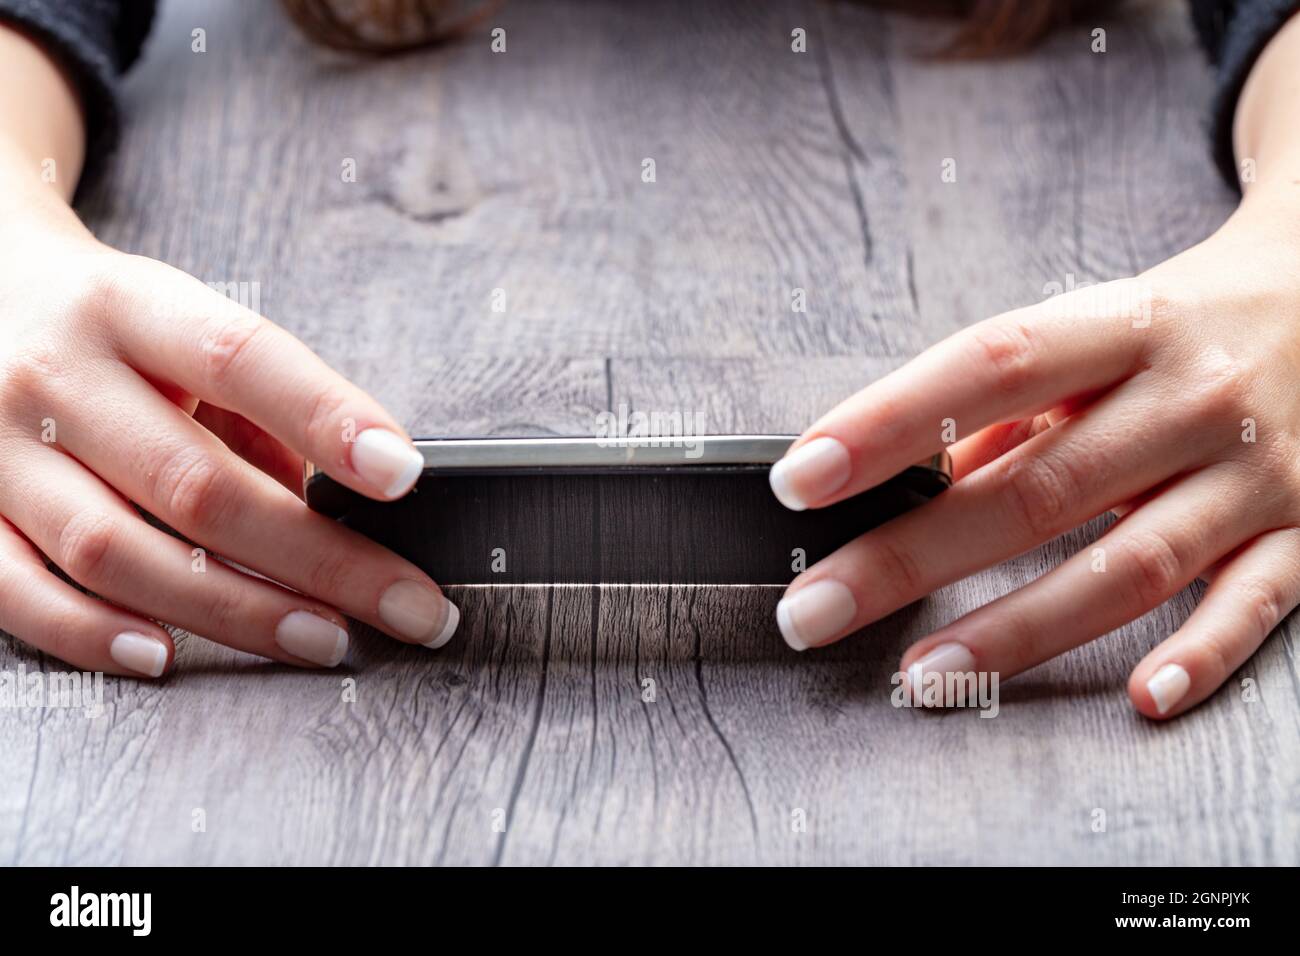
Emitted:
<point x="534" y="737"/>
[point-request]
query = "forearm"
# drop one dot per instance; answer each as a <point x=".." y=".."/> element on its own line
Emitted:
<point x="1266" y="127"/>
<point x="42" y="134"/>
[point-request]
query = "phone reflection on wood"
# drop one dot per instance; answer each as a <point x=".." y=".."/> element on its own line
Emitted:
<point x="671" y="510"/>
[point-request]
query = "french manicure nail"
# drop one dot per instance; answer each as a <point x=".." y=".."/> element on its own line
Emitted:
<point x="810" y="473"/>
<point x="812" y="615"/>
<point x="139" y="652"/>
<point x="419" y="613"/>
<point x="944" y="659"/>
<point x="1167" y="687"/>
<point x="448" y="629"/>
<point x="387" y="461"/>
<point x="312" y="638"/>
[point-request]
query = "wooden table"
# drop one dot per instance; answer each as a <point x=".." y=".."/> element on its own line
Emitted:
<point x="775" y="170"/>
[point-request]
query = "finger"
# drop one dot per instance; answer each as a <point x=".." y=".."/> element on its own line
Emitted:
<point x="264" y="452"/>
<point x="1111" y="452"/>
<point x="183" y="475"/>
<point x="975" y="451"/>
<point x="1251" y="593"/>
<point x="989" y="444"/>
<point x="1013" y="366"/>
<point x="52" y="616"/>
<point x="231" y="357"/>
<point x="1141" y="562"/>
<point x="99" y="542"/>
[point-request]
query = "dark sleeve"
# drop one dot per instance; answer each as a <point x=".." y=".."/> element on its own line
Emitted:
<point x="1234" y="33"/>
<point x="95" y="41"/>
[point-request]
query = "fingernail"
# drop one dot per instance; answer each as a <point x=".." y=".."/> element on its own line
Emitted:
<point x="312" y="638"/>
<point x="1167" y="687"/>
<point x="448" y="629"/>
<point x="139" y="652"/>
<point x="386" y="461"/>
<point x="419" y="613"/>
<point x="812" y="615"/>
<point x="944" y="659"/>
<point x="810" y="473"/>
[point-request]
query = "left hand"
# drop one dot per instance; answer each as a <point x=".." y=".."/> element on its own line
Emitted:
<point x="1172" y="399"/>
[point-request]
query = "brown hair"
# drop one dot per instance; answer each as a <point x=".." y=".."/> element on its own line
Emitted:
<point x="988" y="28"/>
<point x="1001" y="27"/>
<point x="386" y="26"/>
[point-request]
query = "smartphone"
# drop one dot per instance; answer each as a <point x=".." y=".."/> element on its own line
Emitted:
<point x="666" y="510"/>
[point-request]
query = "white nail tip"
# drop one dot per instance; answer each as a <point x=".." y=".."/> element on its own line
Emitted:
<point x="340" y="648"/>
<point x="779" y="479"/>
<point x="915" y="673"/>
<point x="386" y="461"/>
<point x="139" y="652"/>
<point x="786" y="624"/>
<point x="822" y="466"/>
<point x="312" y="638"/>
<point x="944" y="659"/>
<point x="1167" y="687"/>
<point x="448" y="629"/>
<point x="815" y="613"/>
<point x="405" y="481"/>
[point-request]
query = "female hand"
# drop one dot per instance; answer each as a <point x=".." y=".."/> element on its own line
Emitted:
<point x="1170" y="398"/>
<point x="125" y="381"/>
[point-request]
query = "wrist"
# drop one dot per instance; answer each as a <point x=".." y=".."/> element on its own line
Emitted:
<point x="1265" y="143"/>
<point x="1268" y="216"/>
<point x="31" y="200"/>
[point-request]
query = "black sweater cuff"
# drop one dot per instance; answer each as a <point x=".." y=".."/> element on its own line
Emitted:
<point x="1234" y="33"/>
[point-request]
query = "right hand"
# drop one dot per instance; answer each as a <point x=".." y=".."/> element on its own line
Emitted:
<point x="124" y="380"/>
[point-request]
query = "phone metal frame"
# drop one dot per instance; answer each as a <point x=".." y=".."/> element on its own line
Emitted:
<point x="668" y="451"/>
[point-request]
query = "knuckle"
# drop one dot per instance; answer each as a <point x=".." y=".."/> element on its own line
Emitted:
<point x="1222" y="393"/>
<point x="899" y="570"/>
<point x="1161" y="305"/>
<point x="100" y="289"/>
<point x="1264" y="598"/>
<point x="1213" y="647"/>
<point x="1153" y="568"/>
<point x="192" y="490"/>
<point x="224" y="343"/>
<point x="1009" y="348"/>
<point x="46" y="360"/>
<point x="1271" y="467"/>
<point x="65" y="632"/>
<point x="1041" y="490"/>
<point x="322" y="421"/>
<point x="86" y="542"/>
<point x="223" y="611"/>
<point x="34" y="371"/>
<point x="330" y="576"/>
<point x="1018" y="641"/>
